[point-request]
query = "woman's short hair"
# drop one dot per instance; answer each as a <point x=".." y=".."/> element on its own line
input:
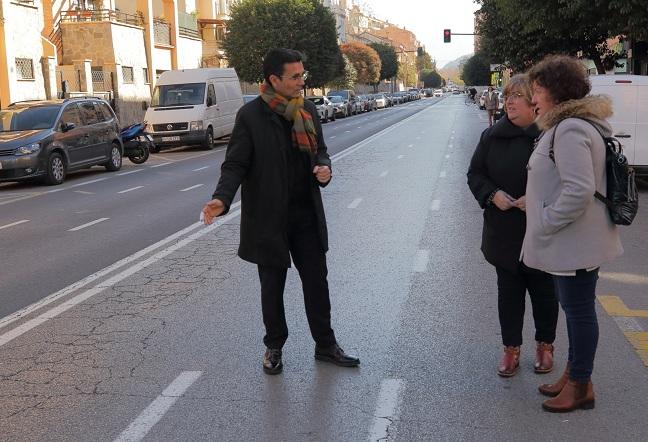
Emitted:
<point x="274" y="60"/>
<point x="563" y="76"/>
<point x="519" y="83"/>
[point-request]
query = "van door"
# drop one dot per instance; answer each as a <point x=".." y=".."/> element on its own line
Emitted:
<point x="223" y="106"/>
<point x="624" y="119"/>
<point x="94" y="127"/>
<point x="75" y="141"/>
<point x="212" y="110"/>
<point x="641" y="142"/>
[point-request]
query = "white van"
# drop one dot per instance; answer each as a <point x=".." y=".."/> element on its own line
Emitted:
<point x="193" y="106"/>
<point x="629" y="95"/>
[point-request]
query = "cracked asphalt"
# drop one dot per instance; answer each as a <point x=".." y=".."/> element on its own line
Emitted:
<point x="87" y="373"/>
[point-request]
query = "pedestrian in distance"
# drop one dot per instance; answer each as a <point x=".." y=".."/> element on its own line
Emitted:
<point x="491" y="103"/>
<point x="497" y="178"/>
<point x="277" y="155"/>
<point x="473" y="92"/>
<point x="569" y="232"/>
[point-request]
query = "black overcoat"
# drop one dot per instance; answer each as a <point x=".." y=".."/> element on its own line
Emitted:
<point x="256" y="160"/>
<point x="500" y="162"/>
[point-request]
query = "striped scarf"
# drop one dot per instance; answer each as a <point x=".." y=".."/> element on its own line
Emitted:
<point x="303" y="129"/>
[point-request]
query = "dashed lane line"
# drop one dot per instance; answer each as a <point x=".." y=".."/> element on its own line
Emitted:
<point x="131" y="189"/>
<point x="192" y="187"/>
<point x="355" y="203"/>
<point x="200" y="168"/>
<point x="386" y="410"/>
<point x="91" y="223"/>
<point x="6" y="226"/>
<point x="130" y="172"/>
<point x="160" y="165"/>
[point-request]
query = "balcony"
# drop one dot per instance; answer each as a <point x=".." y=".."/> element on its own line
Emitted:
<point x="101" y="15"/>
<point x="188" y="25"/>
<point x="161" y="32"/>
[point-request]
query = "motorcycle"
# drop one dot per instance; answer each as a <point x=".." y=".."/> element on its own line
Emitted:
<point x="137" y="143"/>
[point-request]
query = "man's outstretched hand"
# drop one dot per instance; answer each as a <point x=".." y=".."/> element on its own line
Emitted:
<point x="211" y="210"/>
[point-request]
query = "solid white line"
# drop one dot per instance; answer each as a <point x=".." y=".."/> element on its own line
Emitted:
<point x="400" y="157"/>
<point x="386" y="409"/>
<point x="436" y="204"/>
<point x="200" y="168"/>
<point x="129" y="172"/>
<point x="384" y="174"/>
<point x="22" y="221"/>
<point x="91" y="223"/>
<point x="140" y="427"/>
<point x="192" y="187"/>
<point x="130" y="190"/>
<point x="421" y="260"/>
<point x="355" y="203"/>
<point x="160" y="165"/>
<point x="442" y="174"/>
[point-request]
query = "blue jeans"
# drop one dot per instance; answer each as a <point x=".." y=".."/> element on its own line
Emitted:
<point x="577" y="296"/>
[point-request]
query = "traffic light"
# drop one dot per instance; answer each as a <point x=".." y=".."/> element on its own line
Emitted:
<point x="419" y="51"/>
<point x="447" y="35"/>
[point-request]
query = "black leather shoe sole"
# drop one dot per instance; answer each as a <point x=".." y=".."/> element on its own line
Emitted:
<point x="332" y="360"/>
<point x="275" y="370"/>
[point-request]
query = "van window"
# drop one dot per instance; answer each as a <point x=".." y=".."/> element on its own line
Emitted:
<point x="211" y="94"/>
<point x="107" y="113"/>
<point x="71" y="115"/>
<point x="89" y="113"/>
<point x="178" y="94"/>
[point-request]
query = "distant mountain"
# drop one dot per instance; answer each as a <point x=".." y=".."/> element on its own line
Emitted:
<point x="452" y="70"/>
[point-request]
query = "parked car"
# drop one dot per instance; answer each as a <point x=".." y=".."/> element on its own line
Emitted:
<point x="438" y="92"/>
<point x="350" y="96"/>
<point x="381" y="101"/>
<point x="325" y="108"/>
<point x="47" y="139"/>
<point x="342" y="107"/>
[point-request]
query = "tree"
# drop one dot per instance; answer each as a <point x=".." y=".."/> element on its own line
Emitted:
<point x="365" y="60"/>
<point x="407" y="71"/>
<point x="424" y="61"/>
<point x="431" y="78"/>
<point x="388" y="60"/>
<point x="476" y="71"/>
<point x="306" y="25"/>
<point x="348" y="77"/>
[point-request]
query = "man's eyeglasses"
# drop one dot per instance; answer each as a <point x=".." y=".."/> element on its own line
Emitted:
<point x="303" y="76"/>
<point x="513" y="97"/>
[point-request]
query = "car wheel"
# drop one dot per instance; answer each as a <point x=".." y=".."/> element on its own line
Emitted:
<point x="115" y="161"/>
<point x="56" y="169"/>
<point x="209" y="140"/>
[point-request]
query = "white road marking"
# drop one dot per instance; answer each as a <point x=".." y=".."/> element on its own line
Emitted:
<point x="347" y="131"/>
<point x="447" y="156"/>
<point x="410" y="145"/>
<point x="384" y="174"/>
<point x="386" y="409"/>
<point x="200" y="168"/>
<point x="91" y="223"/>
<point x="160" y="165"/>
<point x="130" y="190"/>
<point x="627" y="324"/>
<point x="147" y="419"/>
<point x="442" y="174"/>
<point x="192" y="187"/>
<point x="6" y="226"/>
<point x="355" y="203"/>
<point x="130" y="171"/>
<point x="332" y="136"/>
<point x="87" y="182"/>
<point x="421" y="260"/>
<point x="450" y="145"/>
<point x="400" y="157"/>
<point x="83" y="192"/>
<point x="436" y="204"/>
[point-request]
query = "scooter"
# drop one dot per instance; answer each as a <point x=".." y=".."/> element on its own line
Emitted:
<point x="137" y="143"/>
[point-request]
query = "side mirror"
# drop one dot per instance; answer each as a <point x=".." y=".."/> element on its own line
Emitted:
<point x="67" y="126"/>
<point x="210" y="102"/>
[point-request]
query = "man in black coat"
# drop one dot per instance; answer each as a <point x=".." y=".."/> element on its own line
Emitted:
<point x="278" y="156"/>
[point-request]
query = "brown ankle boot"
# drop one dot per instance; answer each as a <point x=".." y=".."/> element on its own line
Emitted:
<point x="554" y="389"/>
<point x="574" y="396"/>
<point x="544" y="357"/>
<point x="510" y="362"/>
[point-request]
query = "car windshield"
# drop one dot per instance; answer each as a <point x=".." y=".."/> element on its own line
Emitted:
<point x="317" y="100"/>
<point x="336" y="99"/>
<point x="178" y="94"/>
<point x="28" y="118"/>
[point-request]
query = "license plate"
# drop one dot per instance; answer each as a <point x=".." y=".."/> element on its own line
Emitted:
<point x="170" y="138"/>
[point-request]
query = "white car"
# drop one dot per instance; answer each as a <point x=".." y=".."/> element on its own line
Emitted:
<point x="325" y="108"/>
<point x="381" y="101"/>
<point x="438" y="93"/>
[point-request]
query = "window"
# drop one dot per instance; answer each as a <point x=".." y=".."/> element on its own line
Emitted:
<point x="211" y="95"/>
<point x="71" y="115"/>
<point x="184" y="94"/>
<point x="127" y="74"/>
<point x="89" y="113"/>
<point x="25" y="68"/>
<point x="145" y="74"/>
<point x="107" y="112"/>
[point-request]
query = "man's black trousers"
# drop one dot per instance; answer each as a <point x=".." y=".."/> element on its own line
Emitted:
<point x="310" y="260"/>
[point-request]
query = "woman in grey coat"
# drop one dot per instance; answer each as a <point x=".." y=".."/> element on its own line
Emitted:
<point x="569" y="233"/>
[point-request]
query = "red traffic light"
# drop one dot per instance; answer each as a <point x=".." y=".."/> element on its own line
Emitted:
<point x="447" y="35"/>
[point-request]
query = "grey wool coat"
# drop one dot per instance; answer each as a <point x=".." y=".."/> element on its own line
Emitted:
<point x="567" y="228"/>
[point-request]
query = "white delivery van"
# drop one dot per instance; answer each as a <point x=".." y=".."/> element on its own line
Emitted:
<point x="193" y="106"/>
<point x="629" y="95"/>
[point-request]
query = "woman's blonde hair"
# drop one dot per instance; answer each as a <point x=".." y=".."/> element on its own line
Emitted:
<point x="519" y="83"/>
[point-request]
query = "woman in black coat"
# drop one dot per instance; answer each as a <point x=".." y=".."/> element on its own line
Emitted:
<point x="497" y="178"/>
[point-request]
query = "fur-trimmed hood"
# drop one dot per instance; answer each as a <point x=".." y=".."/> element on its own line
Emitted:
<point x="593" y="107"/>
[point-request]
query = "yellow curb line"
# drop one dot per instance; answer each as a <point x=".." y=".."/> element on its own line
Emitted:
<point x="614" y="306"/>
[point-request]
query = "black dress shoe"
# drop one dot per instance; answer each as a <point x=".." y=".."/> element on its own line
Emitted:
<point x="335" y="355"/>
<point x="272" y="361"/>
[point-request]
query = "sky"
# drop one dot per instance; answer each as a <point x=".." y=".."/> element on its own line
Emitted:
<point x="427" y="19"/>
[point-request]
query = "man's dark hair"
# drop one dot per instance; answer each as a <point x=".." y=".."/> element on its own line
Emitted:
<point x="274" y="60"/>
<point x="564" y="77"/>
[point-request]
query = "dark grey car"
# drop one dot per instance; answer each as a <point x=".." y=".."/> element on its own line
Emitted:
<point x="48" y="139"/>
